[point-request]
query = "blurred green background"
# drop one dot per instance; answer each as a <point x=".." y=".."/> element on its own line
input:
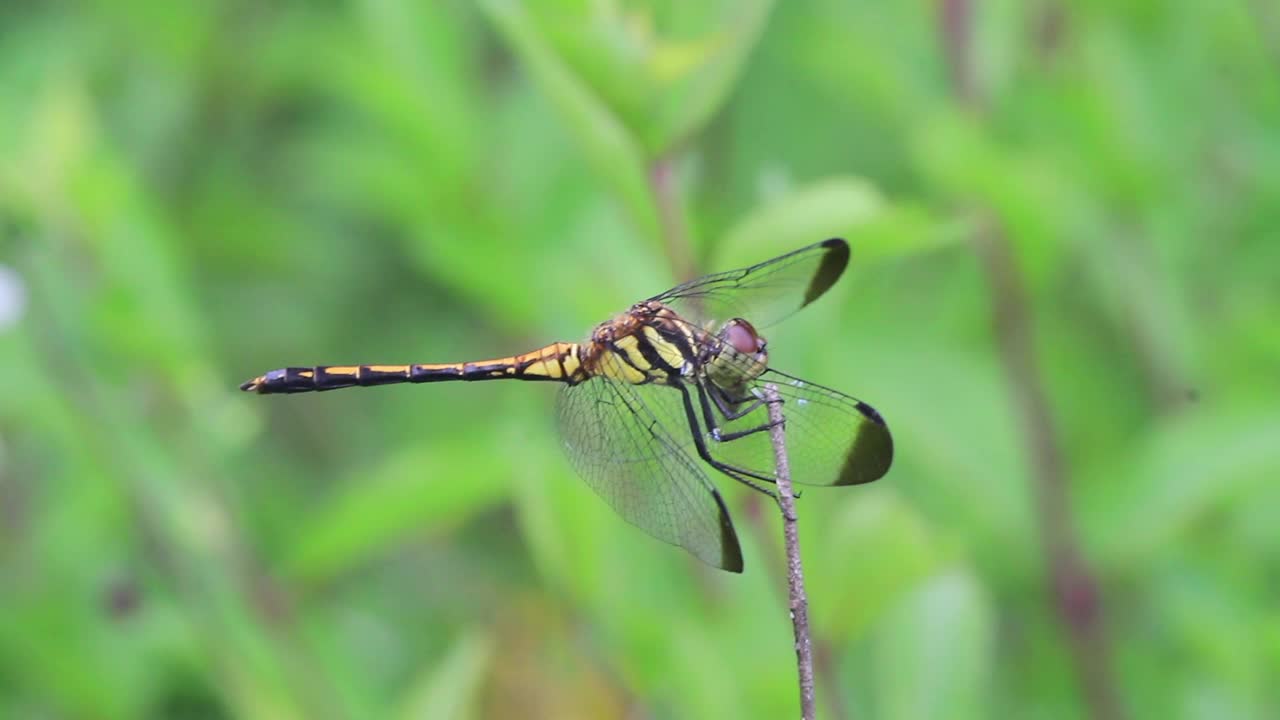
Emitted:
<point x="194" y="193"/>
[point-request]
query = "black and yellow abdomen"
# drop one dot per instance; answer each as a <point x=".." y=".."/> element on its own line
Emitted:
<point x="557" y="362"/>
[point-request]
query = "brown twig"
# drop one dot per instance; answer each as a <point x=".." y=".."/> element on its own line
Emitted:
<point x="825" y="662"/>
<point x="1075" y="590"/>
<point x="955" y="21"/>
<point x="675" y="234"/>
<point x="1267" y="21"/>
<point x="799" y="602"/>
<point x="1076" y="597"/>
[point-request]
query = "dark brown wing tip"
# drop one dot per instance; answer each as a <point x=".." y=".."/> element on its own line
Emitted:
<point x="834" y="261"/>
<point x="872" y="452"/>
<point x="732" y="558"/>
<point x="730" y="549"/>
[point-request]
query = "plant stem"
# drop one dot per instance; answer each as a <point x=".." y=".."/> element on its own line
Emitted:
<point x="798" y="601"/>
<point x="1075" y="590"/>
<point x="1076" y="597"/>
<point x="675" y="232"/>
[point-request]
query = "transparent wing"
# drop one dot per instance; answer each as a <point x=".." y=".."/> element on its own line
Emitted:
<point x="627" y="442"/>
<point x="832" y="439"/>
<point x="764" y="293"/>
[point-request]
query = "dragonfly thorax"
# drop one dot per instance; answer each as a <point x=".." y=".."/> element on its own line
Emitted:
<point x="647" y="344"/>
<point x="739" y="355"/>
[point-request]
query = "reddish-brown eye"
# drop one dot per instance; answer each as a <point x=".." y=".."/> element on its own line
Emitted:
<point x="742" y="337"/>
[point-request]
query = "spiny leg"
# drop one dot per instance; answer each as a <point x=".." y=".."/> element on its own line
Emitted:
<point x="737" y="473"/>
<point x="722" y="402"/>
<point x="721" y="398"/>
<point x="726" y="403"/>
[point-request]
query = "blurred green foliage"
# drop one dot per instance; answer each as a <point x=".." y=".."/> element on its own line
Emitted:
<point x="193" y="193"/>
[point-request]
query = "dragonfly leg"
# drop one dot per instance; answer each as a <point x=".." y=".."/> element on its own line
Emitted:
<point x="726" y="404"/>
<point x="723" y="403"/>
<point x="742" y="475"/>
<point x="714" y="429"/>
<point x="739" y="434"/>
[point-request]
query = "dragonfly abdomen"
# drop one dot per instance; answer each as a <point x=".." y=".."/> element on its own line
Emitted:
<point x="556" y="362"/>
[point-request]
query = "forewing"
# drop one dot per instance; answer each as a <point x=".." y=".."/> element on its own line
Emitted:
<point x="763" y="293"/>
<point x="627" y="442"/>
<point x="831" y="438"/>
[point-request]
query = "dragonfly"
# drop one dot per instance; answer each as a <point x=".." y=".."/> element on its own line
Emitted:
<point x="671" y="387"/>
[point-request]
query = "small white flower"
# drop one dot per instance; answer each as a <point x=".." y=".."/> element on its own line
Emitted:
<point x="13" y="297"/>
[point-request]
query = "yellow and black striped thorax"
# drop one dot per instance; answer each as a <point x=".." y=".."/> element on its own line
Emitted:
<point x="650" y="343"/>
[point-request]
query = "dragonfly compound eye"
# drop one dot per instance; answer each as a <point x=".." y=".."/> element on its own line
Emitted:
<point x="742" y="337"/>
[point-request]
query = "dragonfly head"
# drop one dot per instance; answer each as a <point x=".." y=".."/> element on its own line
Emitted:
<point x="742" y="336"/>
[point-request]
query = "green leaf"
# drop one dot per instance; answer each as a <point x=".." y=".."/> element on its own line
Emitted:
<point x="933" y="653"/>
<point x="1187" y="467"/>
<point x="1028" y="197"/>
<point x="554" y="533"/>
<point x="409" y="493"/>
<point x="450" y="689"/>
<point x="874" y="550"/>
<point x="613" y="152"/>
<point x="833" y="207"/>
<point x="700" y="76"/>
<point x="704" y="685"/>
